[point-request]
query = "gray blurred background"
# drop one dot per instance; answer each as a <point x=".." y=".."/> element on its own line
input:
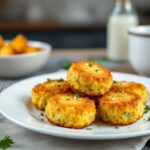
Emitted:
<point x="64" y="11"/>
<point x="82" y="22"/>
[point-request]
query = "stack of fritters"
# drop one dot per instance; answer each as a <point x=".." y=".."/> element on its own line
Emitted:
<point x="72" y="104"/>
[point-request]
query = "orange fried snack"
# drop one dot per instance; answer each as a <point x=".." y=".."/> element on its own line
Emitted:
<point x="19" y="43"/>
<point x="1" y="41"/>
<point x="7" y="50"/>
<point x="31" y="49"/>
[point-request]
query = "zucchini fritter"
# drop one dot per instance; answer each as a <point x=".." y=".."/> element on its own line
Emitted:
<point x="132" y="87"/>
<point x="120" y="108"/>
<point x="44" y="91"/>
<point x="70" y="110"/>
<point x="89" y="78"/>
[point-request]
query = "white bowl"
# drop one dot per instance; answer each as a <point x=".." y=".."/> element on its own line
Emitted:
<point x="24" y="64"/>
<point x="139" y="49"/>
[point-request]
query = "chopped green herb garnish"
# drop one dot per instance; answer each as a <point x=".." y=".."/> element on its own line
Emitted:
<point x="66" y="65"/>
<point x="146" y="109"/>
<point x="148" y="119"/>
<point x="97" y="70"/>
<point x="91" y="58"/>
<point x="102" y="58"/>
<point x="114" y="81"/>
<point x="41" y="114"/>
<point x="77" y="95"/>
<point x="89" y="129"/>
<point x="5" y="142"/>
<point x="127" y="114"/>
<point x="116" y="127"/>
<point x="117" y="90"/>
<point x="90" y="65"/>
<point x="48" y="80"/>
<point x="61" y="80"/>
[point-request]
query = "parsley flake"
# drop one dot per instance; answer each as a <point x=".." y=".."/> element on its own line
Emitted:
<point x="97" y="70"/>
<point x="117" y="90"/>
<point x="114" y="81"/>
<point x="66" y="65"/>
<point x="148" y="119"/>
<point x="146" y="109"/>
<point x="116" y="127"/>
<point x="89" y="129"/>
<point x="48" y="80"/>
<point x="77" y="95"/>
<point x="41" y="114"/>
<point x="5" y="142"/>
<point x="61" y="80"/>
<point x="91" y="58"/>
<point x="127" y="114"/>
<point x="90" y="65"/>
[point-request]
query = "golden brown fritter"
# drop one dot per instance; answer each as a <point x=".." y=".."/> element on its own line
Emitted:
<point x="44" y="91"/>
<point x="120" y="108"/>
<point x="89" y="78"/>
<point x="132" y="87"/>
<point x="70" y="110"/>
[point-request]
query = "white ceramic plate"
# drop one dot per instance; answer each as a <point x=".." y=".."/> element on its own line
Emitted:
<point x="15" y="104"/>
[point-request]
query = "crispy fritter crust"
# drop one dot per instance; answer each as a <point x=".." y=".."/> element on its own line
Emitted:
<point x="44" y="91"/>
<point x="69" y="111"/>
<point x="132" y="87"/>
<point x="89" y="78"/>
<point x="120" y="108"/>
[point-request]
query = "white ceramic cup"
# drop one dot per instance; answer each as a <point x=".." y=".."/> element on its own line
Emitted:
<point x="139" y="49"/>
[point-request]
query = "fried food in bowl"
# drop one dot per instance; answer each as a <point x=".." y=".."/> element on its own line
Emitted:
<point x="14" y="65"/>
<point x="18" y="45"/>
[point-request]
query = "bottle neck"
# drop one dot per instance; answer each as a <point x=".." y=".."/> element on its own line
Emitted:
<point x="124" y="4"/>
<point x="123" y="1"/>
<point x="123" y="7"/>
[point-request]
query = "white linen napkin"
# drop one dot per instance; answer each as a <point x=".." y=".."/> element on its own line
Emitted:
<point x="28" y="140"/>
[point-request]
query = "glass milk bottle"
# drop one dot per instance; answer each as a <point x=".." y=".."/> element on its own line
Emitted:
<point x="122" y="18"/>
